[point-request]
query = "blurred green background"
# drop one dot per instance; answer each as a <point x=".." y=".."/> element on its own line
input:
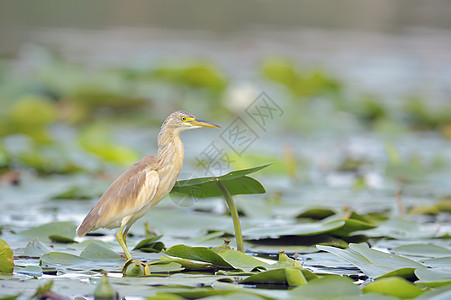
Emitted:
<point x="85" y="85"/>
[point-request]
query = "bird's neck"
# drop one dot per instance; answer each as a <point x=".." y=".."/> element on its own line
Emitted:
<point x="170" y="149"/>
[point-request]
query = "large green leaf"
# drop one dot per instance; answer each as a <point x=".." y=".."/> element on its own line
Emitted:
<point x="434" y="278"/>
<point x="288" y="276"/>
<point x="293" y="229"/>
<point x="6" y="258"/>
<point x="236" y="183"/>
<point x="198" y="254"/>
<point x="423" y="250"/>
<point x="330" y="287"/>
<point x="375" y="263"/>
<point x="64" y="229"/>
<point x="394" y="286"/>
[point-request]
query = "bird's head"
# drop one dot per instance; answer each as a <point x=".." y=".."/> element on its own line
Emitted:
<point x="182" y="120"/>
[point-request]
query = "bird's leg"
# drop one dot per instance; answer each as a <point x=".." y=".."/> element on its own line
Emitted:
<point x="120" y="239"/>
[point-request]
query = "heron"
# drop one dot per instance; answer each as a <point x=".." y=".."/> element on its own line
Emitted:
<point x="144" y="184"/>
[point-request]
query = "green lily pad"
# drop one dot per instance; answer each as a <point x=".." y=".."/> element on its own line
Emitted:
<point x="375" y="263"/>
<point x="401" y="229"/>
<point x="6" y="258"/>
<point x="328" y="287"/>
<point x="36" y="248"/>
<point x="423" y="250"/>
<point x="240" y="260"/>
<point x="433" y="278"/>
<point x="150" y="245"/>
<point x="62" y="259"/>
<point x="97" y="252"/>
<point x="393" y="286"/>
<point x="35" y="271"/>
<point x="61" y="239"/>
<point x="198" y="254"/>
<point x="289" y="276"/>
<point x="64" y="229"/>
<point x="295" y="229"/>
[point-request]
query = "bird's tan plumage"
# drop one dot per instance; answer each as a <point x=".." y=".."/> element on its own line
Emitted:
<point x="145" y="183"/>
<point x="127" y="194"/>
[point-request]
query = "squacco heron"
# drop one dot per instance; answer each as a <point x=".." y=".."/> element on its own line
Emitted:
<point x="144" y="184"/>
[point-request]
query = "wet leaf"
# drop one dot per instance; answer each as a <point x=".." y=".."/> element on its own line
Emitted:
<point x="62" y="259"/>
<point x="95" y="252"/>
<point x="36" y="248"/>
<point x="375" y="263"/>
<point x="150" y="245"/>
<point x="236" y="183"/>
<point x="328" y="287"/>
<point x="198" y="254"/>
<point x="288" y="276"/>
<point x="401" y="229"/>
<point x="6" y="258"/>
<point x="394" y="286"/>
<point x="34" y="271"/>
<point x="65" y="229"/>
<point x="242" y="261"/>
<point x="307" y="229"/>
<point x="433" y="278"/>
<point x="61" y="239"/>
<point x="423" y="250"/>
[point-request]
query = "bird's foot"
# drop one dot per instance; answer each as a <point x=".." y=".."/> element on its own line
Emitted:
<point x="134" y="267"/>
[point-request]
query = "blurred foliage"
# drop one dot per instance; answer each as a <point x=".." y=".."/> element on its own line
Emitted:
<point x="42" y="94"/>
<point x="302" y="84"/>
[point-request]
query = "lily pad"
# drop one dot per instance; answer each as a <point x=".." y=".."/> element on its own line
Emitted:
<point x="394" y="286"/>
<point x="295" y="229"/>
<point x="375" y="263"/>
<point x="423" y="250"/>
<point x="97" y="252"/>
<point x="289" y="276"/>
<point x="328" y="287"/>
<point x="433" y="278"/>
<point x="65" y="229"/>
<point x="6" y="258"/>
<point x="198" y="254"/>
<point x="150" y="245"/>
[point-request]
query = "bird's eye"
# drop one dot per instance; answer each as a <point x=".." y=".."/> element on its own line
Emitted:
<point x="183" y="119"/>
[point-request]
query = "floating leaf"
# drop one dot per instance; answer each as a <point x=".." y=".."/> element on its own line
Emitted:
<point x="198" y="254"/>
<point x="328" y="287"/>
<point x="295" y="229"/>
<point x="375" y="263"/>
<point x="34" y="271"/>
<point x="6" y="258"/>
<point x="150" y="245"/>
<point x="61" y="239"/>
<point x="424" y="250"/>
<point x="65" y="229"/>
<point x="95" y="252"/>
<point x="62" y="259"/>
<point x="240" y="260"/>
<point x="433" y="278"/>
<point x="289" y="276"/>
<point x="401" y="229"/>
<point x="36" y="248"/>
<point x="393" y="286"/>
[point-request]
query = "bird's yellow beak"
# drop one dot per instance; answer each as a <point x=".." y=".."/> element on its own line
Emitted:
<point x="197" y="122"/>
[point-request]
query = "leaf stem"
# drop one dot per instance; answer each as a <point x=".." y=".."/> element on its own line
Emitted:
<point x="233" y="213"/>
